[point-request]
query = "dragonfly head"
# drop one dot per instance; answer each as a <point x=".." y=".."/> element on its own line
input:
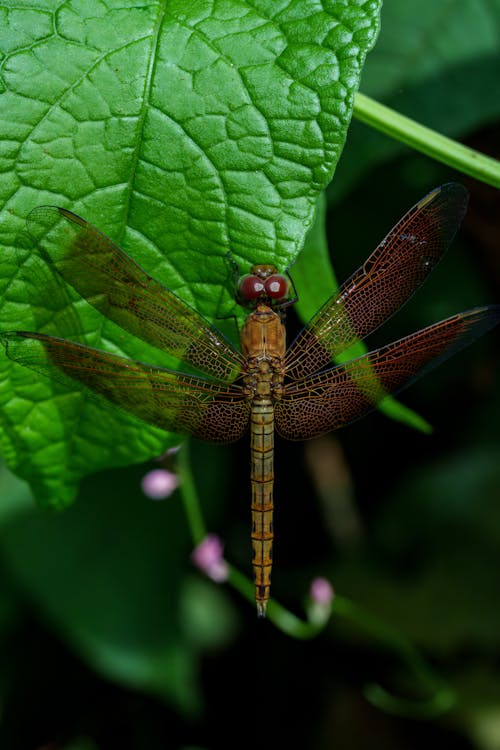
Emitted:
<point x="263" y="285"/>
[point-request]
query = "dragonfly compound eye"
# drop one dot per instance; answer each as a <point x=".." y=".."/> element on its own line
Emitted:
<point x="277" y="286"/>
<point x="250" y="287"/>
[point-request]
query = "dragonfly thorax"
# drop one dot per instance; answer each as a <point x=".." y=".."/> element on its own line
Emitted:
<point x="263" y="335"/>
<point x="263" y="347"/>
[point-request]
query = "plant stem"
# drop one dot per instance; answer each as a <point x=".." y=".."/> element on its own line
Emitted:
<point x="190" y="497"/>
<point x="426" y="140"/>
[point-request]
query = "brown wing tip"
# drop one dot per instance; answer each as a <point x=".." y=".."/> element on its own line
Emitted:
<point x="453" y="192"/>
<point x="71" y="216"/>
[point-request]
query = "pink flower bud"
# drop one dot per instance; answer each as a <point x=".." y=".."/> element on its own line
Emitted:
<point x="159" y="484"/>
<point x="321" y="591"/>
<point x="208" y="557"/>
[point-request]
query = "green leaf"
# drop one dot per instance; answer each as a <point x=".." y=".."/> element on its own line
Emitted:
<point x="182" y="131"/>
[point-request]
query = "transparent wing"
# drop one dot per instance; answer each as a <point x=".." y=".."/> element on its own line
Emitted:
<point x="122" y="291"/>
<point x="389" y="277"/>
<point x="342" y="394"/>
<point x="181" y="403"/>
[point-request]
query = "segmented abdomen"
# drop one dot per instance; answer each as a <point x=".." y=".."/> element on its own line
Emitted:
<point x="262" y="478"/>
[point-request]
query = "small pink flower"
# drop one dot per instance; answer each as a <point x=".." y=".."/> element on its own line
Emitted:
<point x="321" y="595"/>
<point x="321" y="592"/>
<point x="208" y="557"/>
<point x="159" y="484"/>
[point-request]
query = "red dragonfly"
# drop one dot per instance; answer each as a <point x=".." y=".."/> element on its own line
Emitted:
<point x="263" y="386"/>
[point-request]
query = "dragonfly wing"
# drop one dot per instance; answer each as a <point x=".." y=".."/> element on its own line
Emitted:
<point x="347" y="392"/>
<point x="180" y="403"/>
<point x="122" y="291"/>
<point x="389" y="277"/>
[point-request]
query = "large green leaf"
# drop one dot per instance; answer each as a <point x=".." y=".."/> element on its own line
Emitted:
<point x="182" y="130"/>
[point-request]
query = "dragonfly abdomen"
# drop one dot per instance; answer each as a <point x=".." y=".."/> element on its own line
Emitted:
<point x="262" y="478"/>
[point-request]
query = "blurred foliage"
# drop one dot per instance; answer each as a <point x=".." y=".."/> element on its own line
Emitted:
<point x="109" y="639"/>
<point x="440" y="68"/>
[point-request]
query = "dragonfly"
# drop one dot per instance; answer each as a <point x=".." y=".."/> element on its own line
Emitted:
<point x="224" y="392"/>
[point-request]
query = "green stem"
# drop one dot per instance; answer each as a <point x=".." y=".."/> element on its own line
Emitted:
<point x="427" y="141"/>
<point x="190" y="496"/>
